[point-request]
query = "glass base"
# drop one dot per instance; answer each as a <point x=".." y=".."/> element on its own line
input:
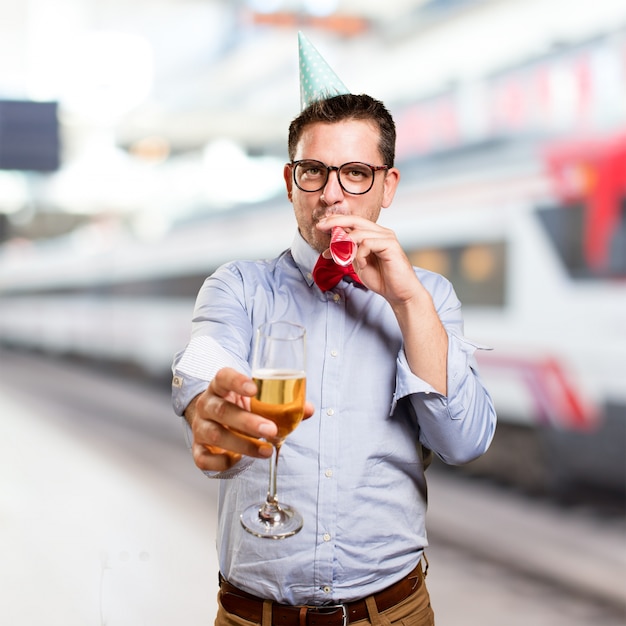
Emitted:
<point x="271" y="522"/>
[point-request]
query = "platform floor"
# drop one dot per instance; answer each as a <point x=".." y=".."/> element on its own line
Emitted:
<point x="105" y="521"/>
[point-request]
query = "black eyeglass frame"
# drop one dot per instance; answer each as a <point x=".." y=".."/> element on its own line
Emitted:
<point x="335" y="168"/>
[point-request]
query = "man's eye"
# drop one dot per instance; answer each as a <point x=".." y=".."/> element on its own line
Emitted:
<point x="356" y="173"/>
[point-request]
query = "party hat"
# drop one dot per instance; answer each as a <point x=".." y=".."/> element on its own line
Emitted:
<point x="317" y="79"/>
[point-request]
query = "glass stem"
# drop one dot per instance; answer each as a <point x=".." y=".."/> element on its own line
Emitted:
<point x="271" y="511"/>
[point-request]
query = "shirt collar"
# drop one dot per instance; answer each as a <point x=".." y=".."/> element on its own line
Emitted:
<point x="304" y="256"/>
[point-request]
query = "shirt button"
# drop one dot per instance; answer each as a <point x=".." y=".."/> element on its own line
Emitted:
<point x="336" y="297"/>
<point x="326" y="589"/>
<point x="334" y="353"/>
<point x="328" y="473"/>
<point x="326" y="537"/>
<point x="330" y="411"/>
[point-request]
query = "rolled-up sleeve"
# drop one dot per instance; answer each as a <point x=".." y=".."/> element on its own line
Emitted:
<point x="457" y="427"/>
<point x="195" y="367"/>
<point x="220" y="331"/>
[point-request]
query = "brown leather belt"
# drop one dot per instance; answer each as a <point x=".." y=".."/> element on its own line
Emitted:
<point x="250" y="607"/>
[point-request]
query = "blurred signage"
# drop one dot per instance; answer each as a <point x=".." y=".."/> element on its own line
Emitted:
<point x="593" y="172"/>
<point x="346" y="25"/>
<point x="29" y="136"/>
<point x="576" y="91"/>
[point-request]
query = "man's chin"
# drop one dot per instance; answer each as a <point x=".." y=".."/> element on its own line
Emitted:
<point x="317" y="240"/>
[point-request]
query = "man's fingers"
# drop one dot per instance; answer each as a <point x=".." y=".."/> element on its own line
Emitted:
<point x="214" y="459"/>
<point x="222" y="411"/>
<point x="226" y="402"/>
<point x="228" y="381"/>
<point x="309" y="410"/>
<point x="212" y="435"/>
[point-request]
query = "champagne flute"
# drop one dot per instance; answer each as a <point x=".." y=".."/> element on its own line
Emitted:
<point x="278" y="369"/>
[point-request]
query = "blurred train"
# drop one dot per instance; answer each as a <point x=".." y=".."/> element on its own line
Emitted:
<point x="532" y="237"/>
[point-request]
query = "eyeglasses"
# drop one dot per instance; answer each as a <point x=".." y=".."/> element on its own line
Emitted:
<point x="354" y="178"/>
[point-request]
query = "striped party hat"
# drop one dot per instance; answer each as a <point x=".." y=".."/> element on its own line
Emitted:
<point x="317" y="79"/>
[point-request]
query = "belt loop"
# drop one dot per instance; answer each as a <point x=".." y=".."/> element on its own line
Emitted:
<point x="302" y="615"/>
<point x="376" y="619"/>
<point x="425" y="570"/>
<point x="267" y="613"/>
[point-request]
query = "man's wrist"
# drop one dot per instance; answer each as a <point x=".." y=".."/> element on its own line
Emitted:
<point x="190" y="412"/>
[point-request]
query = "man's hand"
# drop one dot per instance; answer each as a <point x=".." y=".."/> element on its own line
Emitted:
<point x="380" y="261"/>
<point x="223" y="427"/>
<point x="383" y="267"/>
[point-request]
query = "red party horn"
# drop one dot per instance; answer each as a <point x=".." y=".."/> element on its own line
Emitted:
<point x="342" y="247"/>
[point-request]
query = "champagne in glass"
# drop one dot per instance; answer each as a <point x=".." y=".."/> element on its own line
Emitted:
<point x="280" y="398"/>
<point x="278" y="369"/>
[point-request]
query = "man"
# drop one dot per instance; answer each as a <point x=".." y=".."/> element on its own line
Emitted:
<point x="388" y="374"/>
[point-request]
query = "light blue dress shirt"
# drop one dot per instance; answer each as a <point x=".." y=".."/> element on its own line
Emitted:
<point x="353" y="469"/>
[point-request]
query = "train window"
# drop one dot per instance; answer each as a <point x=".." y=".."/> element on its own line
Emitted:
<point x="433" y="260"/>
<point x="477" y="271"/>
<point x="589" y="245"/>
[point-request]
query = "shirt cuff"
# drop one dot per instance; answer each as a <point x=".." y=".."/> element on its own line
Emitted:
<point x="195" y="366"/>
<point x="184" y="389"/>
<point x="460" y="360"/>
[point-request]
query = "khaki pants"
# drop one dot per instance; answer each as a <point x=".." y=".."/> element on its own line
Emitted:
<point x="413" y="611"/>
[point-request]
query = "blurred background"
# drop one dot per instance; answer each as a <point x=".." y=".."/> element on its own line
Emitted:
<point x="142" y="145"/>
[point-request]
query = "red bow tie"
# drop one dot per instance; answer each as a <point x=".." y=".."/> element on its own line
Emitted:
<point x="327" y="273"/>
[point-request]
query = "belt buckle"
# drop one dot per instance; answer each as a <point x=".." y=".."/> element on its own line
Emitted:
<point x="332" y="607"/>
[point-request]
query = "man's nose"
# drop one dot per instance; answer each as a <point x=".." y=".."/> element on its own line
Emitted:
<point x="332" y="191"/>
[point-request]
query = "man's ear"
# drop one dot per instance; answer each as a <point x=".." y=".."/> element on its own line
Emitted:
<point x="390" y="185"/>
<point x="288" y="179"/>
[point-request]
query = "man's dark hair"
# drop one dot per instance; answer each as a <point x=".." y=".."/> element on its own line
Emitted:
<point x="347" y="107"/>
